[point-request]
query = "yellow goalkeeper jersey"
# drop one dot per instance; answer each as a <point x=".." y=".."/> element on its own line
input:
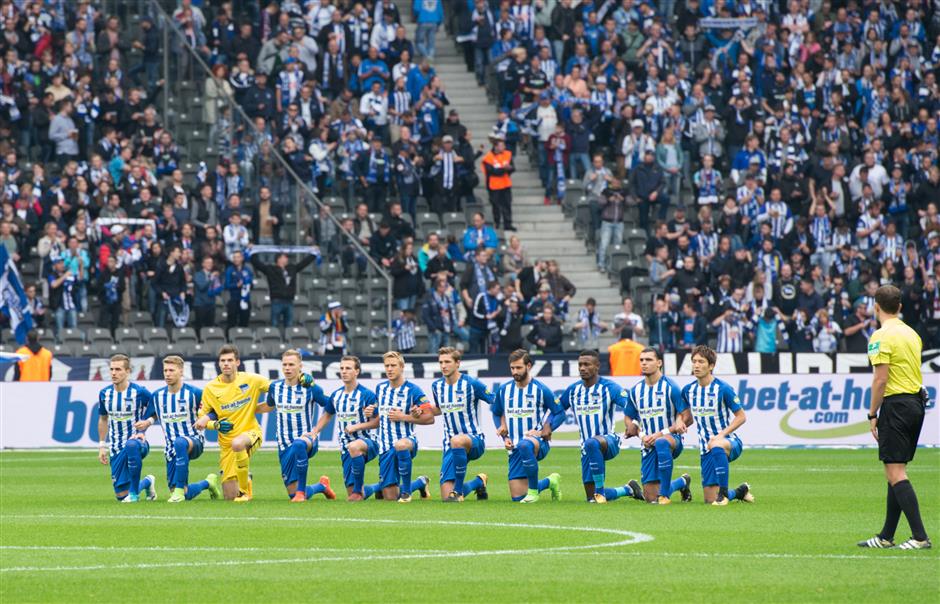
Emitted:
<point x="235" y="401"/>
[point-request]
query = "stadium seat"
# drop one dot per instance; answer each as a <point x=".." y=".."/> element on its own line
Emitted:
<point x="637" y="248"/>
<point x="242" y="333"/>
<point x="455" y="223"/>
<point x="99" y="334"/>
<point x="184" y="334"/>
<point x="75" y="336"/>
<point x="297" y="332"/>
<point x="60" y="350"/>
<point x="429" y="222"/>
<point x="212" y="338"/>
<point x="273" y="349"/>
<point x="129" y="335"/>
<point x="86" y="350"/>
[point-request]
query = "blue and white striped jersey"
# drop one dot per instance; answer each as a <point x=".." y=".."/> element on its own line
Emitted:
<point x="712" y="407"/>
<point x="656" y="406"/>
<point x="178" y="412"/>
<point x="459" y="405"/>
<point x="527" y="408"/>
<point x="349" y="408"/>
<point x="594" y="406"/>
<point x="402" y="398"/>
<point x="294" y="405"/>
<point x="123" y="409"/>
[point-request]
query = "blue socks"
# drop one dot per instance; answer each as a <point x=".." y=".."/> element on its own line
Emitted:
<point x="417" y="484"/>
<point x="720" y="463"/>
<point x="193" y="490"/>
<point x="529" y="464"/>
<point x="614" y="494"/>
<point x="298" y="449"/>
<point x="143" y="484"/>
<point x="592" y="450"/>
<point x="404" y="472"/>
<point x="519" y="498"/>
<point x="471" y="486"/>
<point x="358" y="472"/>
<point x="664" y="463"/>
<point x="134" y="464"/>
<point x="542" y="485"/>
<point x="369" y="489"/>
<point x="312" y="489"/>
<point x="181" y="449"/>
<point x="676" y="484"/>
<point x="460" y="467"/>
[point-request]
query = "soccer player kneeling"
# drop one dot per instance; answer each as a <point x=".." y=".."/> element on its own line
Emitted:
<point x="526" y="412"/>
<point x="294" y="398"/>
<point x="653" y="407"/>
<point x="356" y="439"/>
<point x="717" y="413"/>
<point x="120" y="405"/>
<point x="177" y="405"/>
<point x="456" y="398"/>
<point x="228" y="405"/>
<point x="401" y="405"/>
<point x="593" y="400"/>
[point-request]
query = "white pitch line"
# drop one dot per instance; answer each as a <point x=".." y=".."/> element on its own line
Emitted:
<point x="769" y="555"/>
<point x="632" y="538"/>
<point x="159" y="548"/>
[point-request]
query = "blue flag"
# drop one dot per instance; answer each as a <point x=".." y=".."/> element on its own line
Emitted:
<point x="13" y="298"/>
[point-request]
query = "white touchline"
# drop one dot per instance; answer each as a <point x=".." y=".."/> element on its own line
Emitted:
<point x="631" y="539"/>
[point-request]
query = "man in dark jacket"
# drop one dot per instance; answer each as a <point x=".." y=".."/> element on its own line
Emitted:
<point x="382" y="244"/>
<point x="546" y="332"/>
<point x="169" y="284"/>
<point x="259" y="100"/>
<point x="282" y="281"/>
<point x="694" y="329"/>
<point x="110" y="287"/>
<point x="647" y="182"/>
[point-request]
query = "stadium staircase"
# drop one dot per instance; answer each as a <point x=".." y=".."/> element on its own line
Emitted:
<point x="545" y="231"/>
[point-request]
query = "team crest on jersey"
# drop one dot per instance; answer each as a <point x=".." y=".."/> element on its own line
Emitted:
<point x="712" y="400"/>
<point x="659" y="398"/>
<point x="243" y="387"/>
<point x="530" y="399"/>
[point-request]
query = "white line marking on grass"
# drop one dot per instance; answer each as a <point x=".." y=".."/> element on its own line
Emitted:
<point x="768" y="555"/>
<point x="797" y="468"/>
<point x="158" y="548"/>
<point x="631" y="539"/>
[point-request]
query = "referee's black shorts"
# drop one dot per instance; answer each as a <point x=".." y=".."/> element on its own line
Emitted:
<point x="899" y="424"/>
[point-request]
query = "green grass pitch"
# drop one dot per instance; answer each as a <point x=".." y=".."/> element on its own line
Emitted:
<point x="64" y="538"/>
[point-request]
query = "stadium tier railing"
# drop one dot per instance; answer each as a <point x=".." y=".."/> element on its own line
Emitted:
<point x="193" y="62"/>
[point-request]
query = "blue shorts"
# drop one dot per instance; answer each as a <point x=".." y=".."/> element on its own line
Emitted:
<point x="194" y="453"/>
<point x="709" y="476"/>
<point x="515" y="460"/>
<point x="477" y="448"/>
<point x="372" y="451"/>
<point x="388" y="465"/>
<point x="120" y="475"/>
<point x="289" y="463"/>
<point x="649" y="462"/>
<point x="613" y="448"/>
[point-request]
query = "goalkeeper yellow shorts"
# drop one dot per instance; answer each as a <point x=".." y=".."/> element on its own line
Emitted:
<point x="227" y="456"/>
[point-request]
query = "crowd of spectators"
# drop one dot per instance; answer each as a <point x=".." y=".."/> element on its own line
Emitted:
<point x="781" y="156"/>
<point x="94" y="191"/>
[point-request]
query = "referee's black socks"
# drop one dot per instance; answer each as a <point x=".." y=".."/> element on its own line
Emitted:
<point x="907" y="501"/>
<point x="892" y="516"/>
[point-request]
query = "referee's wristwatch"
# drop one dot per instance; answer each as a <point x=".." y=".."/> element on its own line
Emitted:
<point x="872" y="416"/>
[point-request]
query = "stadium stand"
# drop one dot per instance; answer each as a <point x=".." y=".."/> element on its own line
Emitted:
<point x="793" y="167"/>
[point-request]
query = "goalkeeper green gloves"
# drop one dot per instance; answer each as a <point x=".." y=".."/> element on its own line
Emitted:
<point x="223" y="425"/>
<point x="306" y="380"/>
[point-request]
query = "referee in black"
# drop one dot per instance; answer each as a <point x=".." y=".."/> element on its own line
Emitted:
<point x="897" y="391"/>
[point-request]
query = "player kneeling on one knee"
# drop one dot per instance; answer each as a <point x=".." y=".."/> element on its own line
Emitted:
<point x="717" y="413"/>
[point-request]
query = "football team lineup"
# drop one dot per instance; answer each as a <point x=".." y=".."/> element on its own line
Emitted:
<point x="380" y="424"/>
<point x="68" y="542"/>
